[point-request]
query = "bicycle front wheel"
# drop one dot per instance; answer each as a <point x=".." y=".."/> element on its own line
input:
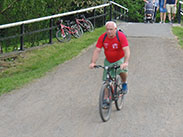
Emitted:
<point x="78" y="31"/>
<point x="89" y="26"/>
<point x="120" y="101"/>
<point x="105" y="102"/>
<point x="63" y="36"/>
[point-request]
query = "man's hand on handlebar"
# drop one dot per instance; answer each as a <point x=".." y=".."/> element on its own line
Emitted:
<point x="92" y="65"/>
<point x="124" y="66"/>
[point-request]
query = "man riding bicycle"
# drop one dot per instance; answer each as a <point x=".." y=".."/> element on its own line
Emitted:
<point x="116" y="51"/>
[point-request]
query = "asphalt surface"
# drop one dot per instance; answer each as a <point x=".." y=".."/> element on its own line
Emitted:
<point x="64" y="103"/>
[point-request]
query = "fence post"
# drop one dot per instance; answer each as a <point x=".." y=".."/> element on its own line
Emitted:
<point x="51" y="31"/>
<point x="126" y="14"/>
<point x="179" y="15"/>
<point x="22" y="37"/>
<point x="1" y="48"/>
<point x="110" y="11"/>
<point x="115" y="9"/>
<point x="104" y="18"/>
<point x="120" y="13"/>
<point x="94" y="18"/>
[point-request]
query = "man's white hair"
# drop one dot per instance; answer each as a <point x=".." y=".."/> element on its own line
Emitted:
<point x="111" y="22"/>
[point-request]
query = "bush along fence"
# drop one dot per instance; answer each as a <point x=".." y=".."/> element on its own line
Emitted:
<point x="30" y="33"/>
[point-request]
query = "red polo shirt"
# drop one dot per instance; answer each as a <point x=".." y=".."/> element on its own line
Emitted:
<point x="113" y="49"/>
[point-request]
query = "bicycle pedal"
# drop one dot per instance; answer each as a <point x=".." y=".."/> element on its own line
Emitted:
<point x="115" y="97"/>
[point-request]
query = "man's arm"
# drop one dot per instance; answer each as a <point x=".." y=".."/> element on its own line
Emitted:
<point x="95" y="57"/>
<point x="164" y="4"/>
<point x="175" y="2"/>
<point x="127" y="56"/>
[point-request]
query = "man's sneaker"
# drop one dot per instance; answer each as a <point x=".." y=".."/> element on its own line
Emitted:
<point x="170" y="22"/>
<point x="124" y="88"/>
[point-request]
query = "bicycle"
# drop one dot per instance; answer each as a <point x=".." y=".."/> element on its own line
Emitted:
<point x="84" y="23"/>
<point x="64" y="32"/>
<point x="110" y="91"/>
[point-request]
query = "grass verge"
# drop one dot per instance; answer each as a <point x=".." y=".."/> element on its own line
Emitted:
<point x="178" y="31"/>
<point x="34" y="64"/>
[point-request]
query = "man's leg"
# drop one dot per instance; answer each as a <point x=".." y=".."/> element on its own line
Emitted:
<point x="169" y="17"/>
<point x="174" y="10"/>
<point x="168" y="7"/>
<point x="164" y="17"/>
<point x="161" y="17"/>
<point x="124" y="76"/>
<point x="173" y="16"/>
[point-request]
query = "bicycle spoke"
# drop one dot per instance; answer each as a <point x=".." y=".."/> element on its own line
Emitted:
<point x="105" y="102"/>
<point x="63" y="36"/>
<point x="120" y="101"/>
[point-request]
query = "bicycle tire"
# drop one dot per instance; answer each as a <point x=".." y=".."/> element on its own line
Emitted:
<point x="63" y="38"/>
<point x="105" y="112"/>
<point x="119" y="103"/>
<point x="89" y="26"/>
<point x="78" y="31"/>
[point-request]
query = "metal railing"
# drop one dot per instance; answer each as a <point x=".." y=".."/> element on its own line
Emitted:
<point x="120" y="12"/>
<point x="180" y="12"/>
<point x="22" y="24"/>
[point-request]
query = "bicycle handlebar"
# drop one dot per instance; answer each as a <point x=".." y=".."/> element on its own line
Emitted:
<point x="115" y="66"/>
<point x="98" y="66"/>
<point x="83" y="16"/>
<point x="80" y="16"/>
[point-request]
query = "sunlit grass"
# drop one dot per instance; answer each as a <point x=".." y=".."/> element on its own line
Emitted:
<point x="178" y="31"/>
<point x="34" y="64"/>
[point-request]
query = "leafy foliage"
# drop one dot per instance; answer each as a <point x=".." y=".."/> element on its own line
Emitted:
<point x="18" y="10"/>
<point x="136" y="9"/>
<point x="178" y="31"/>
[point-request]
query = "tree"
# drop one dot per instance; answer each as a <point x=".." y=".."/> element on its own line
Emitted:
<point x="136" y="9"/>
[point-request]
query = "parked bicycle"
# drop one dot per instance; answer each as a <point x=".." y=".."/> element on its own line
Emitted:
<point x="110" y="91"/>
<point x="64" y="32"/>
<point x="84" y="23"/>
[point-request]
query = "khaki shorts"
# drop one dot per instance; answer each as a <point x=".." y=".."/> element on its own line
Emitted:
<point x="171" y="8"/>
<point x="112" y="72"/>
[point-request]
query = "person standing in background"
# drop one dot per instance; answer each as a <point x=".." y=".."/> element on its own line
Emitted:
<point x="162" y="9"/>
<point x="171" y="6"/>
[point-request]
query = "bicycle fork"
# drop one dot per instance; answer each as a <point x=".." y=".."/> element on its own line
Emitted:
<point x="113" y="90"/>
<point x="62" y="31"/>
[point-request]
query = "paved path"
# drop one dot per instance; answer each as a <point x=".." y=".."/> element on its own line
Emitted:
<point x="64" y="103"/>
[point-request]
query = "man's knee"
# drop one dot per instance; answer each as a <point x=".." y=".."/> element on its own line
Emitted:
<point x="123" y="74"/>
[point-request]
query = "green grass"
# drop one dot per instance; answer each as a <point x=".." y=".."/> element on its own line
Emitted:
<point x="34" y="64"/>
<point x="178" y="31"/>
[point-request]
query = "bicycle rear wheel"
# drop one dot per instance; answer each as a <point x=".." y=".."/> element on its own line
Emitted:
<point x="120" y="101"/>
<point x="105" y="94"/>
<point x="66" y="36"/>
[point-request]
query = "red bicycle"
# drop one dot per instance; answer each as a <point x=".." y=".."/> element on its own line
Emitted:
<point x="84" y="23"/>
<point x="64" y="32"/>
